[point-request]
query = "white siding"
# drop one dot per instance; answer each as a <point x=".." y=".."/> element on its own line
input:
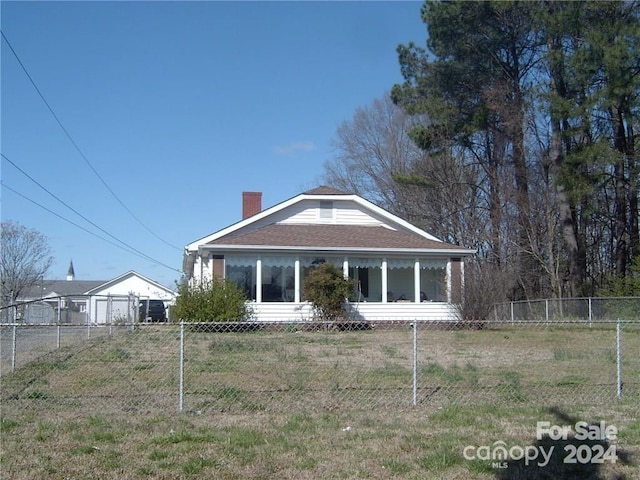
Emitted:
<point x="425" y="311"/>
<point x="137" y="286"/>
<point x="308" y="212"/>
<point x="122" y="310"/>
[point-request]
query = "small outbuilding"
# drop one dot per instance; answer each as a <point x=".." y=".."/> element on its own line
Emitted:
<point x="92" y="301"/>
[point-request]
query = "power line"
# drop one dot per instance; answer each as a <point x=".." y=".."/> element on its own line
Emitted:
<point x="133" y="252"/>
<point x="86" y="160"/>
<point x="129" y="247"/>
<point x="4" y="185"/>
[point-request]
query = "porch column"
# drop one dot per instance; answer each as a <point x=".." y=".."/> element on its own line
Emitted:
<point x="448" y="278"/>
<point x="297" y="281"/>
<point x="206" y="267"/>
<point x="259" y="280"/>
<point x="416" y="281"/>
<point x="210" y="266"/>
<point x="384" y="280"/>
<point x="345" y="267"/>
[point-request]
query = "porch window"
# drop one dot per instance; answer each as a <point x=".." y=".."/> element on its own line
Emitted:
<point x="360" y="278"/>
<point x="278" y="279"/>
<point x="367" y="276"/>
<point x="242" y="272"/>
<point x="401" y="279"/>
<point x="400" y="282"/>
<point x="433" y="280"/>
<point x="308" y="263"/>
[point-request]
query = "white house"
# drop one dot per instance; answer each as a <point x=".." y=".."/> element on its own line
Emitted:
<point x="401" y="271"/>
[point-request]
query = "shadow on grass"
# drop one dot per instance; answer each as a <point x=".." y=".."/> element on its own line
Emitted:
<point x="574" y="459"/>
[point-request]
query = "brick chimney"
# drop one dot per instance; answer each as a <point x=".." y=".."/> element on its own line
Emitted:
<point x="251" y="204"/>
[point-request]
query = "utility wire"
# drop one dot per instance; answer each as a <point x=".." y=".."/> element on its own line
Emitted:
<point x="4" y="185"/>
<point x="78" y="148"/>
<point x="131" y="249"/>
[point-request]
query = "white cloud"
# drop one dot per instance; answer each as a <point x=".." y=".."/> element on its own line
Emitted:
<point x="294" y="148"/>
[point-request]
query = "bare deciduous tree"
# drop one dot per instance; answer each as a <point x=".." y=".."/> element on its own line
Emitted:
<point x="486" y="285"/>
<point x="370" y="150"/>
<point x="24" y="261"/>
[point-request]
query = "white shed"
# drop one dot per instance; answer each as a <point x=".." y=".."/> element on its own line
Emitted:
<point x="119" y="293"/>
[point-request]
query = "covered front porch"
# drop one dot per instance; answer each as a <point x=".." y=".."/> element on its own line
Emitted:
<point x="387" y="287"/>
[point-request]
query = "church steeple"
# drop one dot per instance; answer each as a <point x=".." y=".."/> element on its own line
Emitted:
<point x="70" y="273"/>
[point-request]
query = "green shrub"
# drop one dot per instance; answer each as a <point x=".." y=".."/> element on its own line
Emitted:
<point x="211" y="301"/>
<point x="327" y="289"/>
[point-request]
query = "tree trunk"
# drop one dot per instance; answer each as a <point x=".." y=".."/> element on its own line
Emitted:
<point x="566" y="215"/>
<point x="621" y="247"/>
<point x="632" y="167"/>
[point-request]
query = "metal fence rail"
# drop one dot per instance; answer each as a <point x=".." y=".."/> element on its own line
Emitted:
<point x="590" y="309"/>
<point x="273" y="367"/>
<point x="76" y="310"/>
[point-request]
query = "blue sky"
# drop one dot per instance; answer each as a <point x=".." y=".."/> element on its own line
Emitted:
<point x="179" y="107"/>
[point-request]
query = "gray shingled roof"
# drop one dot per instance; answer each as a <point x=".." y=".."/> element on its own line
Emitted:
<point x="62" y="287"/>
<point x="337" y="236"/>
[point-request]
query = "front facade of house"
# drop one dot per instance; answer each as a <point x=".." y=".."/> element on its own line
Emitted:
<point x="400" y="271"/>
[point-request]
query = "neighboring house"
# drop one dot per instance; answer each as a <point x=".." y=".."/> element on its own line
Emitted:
<point x="97" y="301"/>
<point x="401" y="271"/>
<point x="130" y="283"/>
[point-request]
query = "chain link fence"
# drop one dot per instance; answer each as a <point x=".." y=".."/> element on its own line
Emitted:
<point x="240" y="367"/>
<point x="75" y="310"/>
<point x="590" y="309"/>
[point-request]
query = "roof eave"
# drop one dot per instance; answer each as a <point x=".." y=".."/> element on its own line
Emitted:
<point x="457" y="252"/>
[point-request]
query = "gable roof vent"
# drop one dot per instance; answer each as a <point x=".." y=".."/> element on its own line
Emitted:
<point x="326" y="210"/>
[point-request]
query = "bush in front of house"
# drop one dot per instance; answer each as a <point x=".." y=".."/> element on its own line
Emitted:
<point x="327" y="289"/>
<point x="211" y="301"/>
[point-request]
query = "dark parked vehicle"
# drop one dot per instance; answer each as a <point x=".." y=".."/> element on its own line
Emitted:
<point x="152" y="311"/>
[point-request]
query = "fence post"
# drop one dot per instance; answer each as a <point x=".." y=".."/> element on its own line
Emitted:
<point x="415" y="362"/>
<point x="13" y="347"/>
<point x="619" y="359"/>
<point x="109" y="312"/>
<point x="590" y="313"/>
<point x="89" y="318"/>
<point x="132" y="305"/>
<point x="546" y="309"/>
<point x="129" y="308"/>
<point x="181" y="386"/>
<point x="59" y="308"/>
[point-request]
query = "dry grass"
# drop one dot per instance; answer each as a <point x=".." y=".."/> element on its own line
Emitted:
<point x="300" y="404"/>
